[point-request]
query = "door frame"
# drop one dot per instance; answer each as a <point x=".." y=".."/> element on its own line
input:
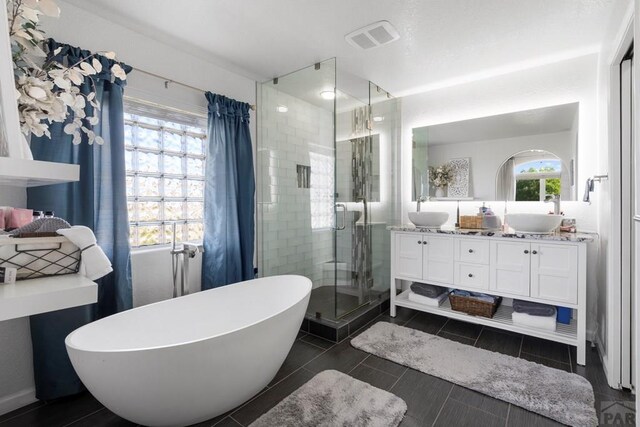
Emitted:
<point x="612" y="359"/>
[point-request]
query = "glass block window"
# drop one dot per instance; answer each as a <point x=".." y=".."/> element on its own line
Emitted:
<point x="322" y="191"/>
<point x="165" y="162"/>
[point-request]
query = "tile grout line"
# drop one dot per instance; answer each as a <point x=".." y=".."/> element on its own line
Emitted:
<point x="239" y="423"/>
<point x="282" y="379"/>
<point x="520" y="350"/>
<point x="442" y="407"/>
<point x="476" y="408"/>
<point x="83" y="417"/>
<point x="399" y="378"/>
<point x="506" y="422"/>
<point x="548" y="358"/>
<point x="475" y="343"/>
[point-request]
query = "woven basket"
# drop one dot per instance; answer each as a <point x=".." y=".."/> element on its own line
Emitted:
<point x="473" y="306"/>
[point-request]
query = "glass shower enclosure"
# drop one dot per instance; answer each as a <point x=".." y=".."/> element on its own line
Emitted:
<point x="326" y="185"/>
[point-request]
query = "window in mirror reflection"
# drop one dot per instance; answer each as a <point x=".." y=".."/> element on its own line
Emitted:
<point x="535" y="180"/>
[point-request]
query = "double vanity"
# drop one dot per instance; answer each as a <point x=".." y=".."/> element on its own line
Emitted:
<point x="544" y="268"/>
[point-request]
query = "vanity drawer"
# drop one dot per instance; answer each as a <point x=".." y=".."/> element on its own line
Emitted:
<point x="474" y="276"/>
<point x="474" y="251"/>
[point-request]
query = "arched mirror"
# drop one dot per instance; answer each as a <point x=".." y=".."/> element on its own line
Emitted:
<point x="532" y="176"/>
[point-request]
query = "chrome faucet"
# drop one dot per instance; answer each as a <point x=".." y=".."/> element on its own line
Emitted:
<point x="555" y="199"/>
<point x="420" y="200"/>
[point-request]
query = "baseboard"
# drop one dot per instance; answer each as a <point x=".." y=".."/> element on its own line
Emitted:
<point x="17" y="400"/>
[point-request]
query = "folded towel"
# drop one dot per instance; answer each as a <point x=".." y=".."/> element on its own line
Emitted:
<point x="430" y="291"/>
<point x="533" y="308"/>
<point x="433" y="302"/>
<point x="475" y="295"/>
<point x="94" y="264"/>
<point x="540" y="322"/>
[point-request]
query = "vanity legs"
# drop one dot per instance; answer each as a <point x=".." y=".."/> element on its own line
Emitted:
<point x="392" y="297"/>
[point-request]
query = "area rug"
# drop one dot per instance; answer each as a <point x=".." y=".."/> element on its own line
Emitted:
<point x="559" y="395"/>
<point x="332" y="398"/>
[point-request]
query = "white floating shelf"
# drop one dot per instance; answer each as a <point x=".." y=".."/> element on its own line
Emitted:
<point x="35" y="173"/>
<point x="35" y="296"/>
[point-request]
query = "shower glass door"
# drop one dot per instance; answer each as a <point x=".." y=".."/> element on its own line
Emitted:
<point x="353" y="271"/>
<point x="313" y="160"/>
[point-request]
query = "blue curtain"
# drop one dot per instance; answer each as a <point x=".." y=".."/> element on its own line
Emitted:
<point x="229" y="195"/>
<point x="97" y="201"/>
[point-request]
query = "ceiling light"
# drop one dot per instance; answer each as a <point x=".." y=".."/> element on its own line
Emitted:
<point x="282" y="109"/>
<point x="378" y="118"/>
<point x="328" y="94"/>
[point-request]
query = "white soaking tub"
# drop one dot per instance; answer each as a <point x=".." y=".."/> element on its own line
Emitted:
<point x="185" y="360"/>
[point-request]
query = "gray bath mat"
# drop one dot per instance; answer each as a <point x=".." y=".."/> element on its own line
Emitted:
<point x="559" y="395"/>
<point x="332" y="398"/>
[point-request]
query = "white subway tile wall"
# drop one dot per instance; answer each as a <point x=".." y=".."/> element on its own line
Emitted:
<point x="294" y="227"/>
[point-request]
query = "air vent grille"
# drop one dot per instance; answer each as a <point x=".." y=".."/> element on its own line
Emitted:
<point x="373" y="35"/>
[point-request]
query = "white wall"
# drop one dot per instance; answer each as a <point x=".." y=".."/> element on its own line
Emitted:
<point x="80" y="28"/>
<point x="573" y="80"/>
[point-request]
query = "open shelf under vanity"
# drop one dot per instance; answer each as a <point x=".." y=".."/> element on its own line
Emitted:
<point x="567" y="334"/>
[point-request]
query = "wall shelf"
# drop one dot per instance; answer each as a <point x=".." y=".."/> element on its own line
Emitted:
<point x="34" y="173"/>
<point x="35" y="296"/>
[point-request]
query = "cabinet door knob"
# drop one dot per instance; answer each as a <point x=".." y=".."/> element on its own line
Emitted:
<point x="470" y="251"/>
<point x="470" y="275"/>
<point x="534" y="252"/>
<point x="526" y="251"/>
<point x="419" y="242"/>
<point x="424" y="242"/>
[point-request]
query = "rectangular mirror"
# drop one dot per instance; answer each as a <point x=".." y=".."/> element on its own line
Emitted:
<point x="520" y="156"/>
<point x="358" y="156"/>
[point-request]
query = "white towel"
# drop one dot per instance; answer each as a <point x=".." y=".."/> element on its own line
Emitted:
<point x="421" y="299"/>
<point x="94" y="264"/>
<point x="540" y="322"/>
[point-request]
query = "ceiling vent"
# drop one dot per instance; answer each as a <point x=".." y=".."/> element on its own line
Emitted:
<point x="373" y="35"/>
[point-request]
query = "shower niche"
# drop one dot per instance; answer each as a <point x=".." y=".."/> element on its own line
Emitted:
<point x="326" y="146"/>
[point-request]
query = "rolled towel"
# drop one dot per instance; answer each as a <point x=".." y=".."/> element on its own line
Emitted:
<point x="426" y="290"/>
<point x="540" y="322"/>
<point x="42" y="225"/>
<point x="533" y="308"/>
<point x="94" y="264"/>
<point x="433" y="302"/>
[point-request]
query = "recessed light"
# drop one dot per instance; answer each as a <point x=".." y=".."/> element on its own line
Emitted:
<point x="282" y="109"/>
<point x="328" y="94"/>
<point x="378" y="118"/>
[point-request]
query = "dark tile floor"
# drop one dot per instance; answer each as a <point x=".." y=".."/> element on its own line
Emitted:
<point x="430" y="400"/>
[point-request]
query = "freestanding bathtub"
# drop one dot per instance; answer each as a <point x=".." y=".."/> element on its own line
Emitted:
<point x="189" y="359"/>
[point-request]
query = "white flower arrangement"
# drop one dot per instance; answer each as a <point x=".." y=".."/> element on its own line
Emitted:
<point x="441" y="176"/>
<point x="46" y="90"/>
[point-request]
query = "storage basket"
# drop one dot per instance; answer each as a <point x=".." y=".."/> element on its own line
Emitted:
<point x="474" y="306"/>
<point x="39" y="256"/>
<point x="471" y="222"/>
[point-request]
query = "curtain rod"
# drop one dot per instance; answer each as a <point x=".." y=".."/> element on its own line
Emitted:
<point x="167" y="81"/>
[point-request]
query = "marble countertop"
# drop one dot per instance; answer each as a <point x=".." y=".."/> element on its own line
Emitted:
<point x="560" y="237"/>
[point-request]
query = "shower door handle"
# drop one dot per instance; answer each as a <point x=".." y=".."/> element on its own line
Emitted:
<point x="344" y="216"/>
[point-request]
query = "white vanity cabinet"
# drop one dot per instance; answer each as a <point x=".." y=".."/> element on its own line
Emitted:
<point x="422" y="257"/>
<point x="510" y="267"/>
<point x="545" y="269"/>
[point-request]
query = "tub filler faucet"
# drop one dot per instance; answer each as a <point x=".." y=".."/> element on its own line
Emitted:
<point x="180" y="256"/>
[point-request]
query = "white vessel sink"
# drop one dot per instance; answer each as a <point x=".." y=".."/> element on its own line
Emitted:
<point x="428" y="219"/>
<point x="533" y="223"/>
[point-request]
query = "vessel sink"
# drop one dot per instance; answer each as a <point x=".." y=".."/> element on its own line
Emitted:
<point x="428" y="219"/>
<point x="533" y="223"/>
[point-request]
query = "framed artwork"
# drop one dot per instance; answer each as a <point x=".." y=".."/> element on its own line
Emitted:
<point x="459" y="187"/>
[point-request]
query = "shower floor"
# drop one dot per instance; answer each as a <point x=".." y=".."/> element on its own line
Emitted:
<point x="323" y="300"/>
